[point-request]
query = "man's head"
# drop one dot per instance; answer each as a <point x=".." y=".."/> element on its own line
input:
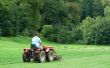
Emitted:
<point x="37" y="33"/>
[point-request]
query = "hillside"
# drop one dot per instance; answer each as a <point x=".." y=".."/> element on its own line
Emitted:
<point x="74" y="56"/>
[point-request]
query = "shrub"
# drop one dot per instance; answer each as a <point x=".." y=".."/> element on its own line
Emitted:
<point x="47" y="31"/>
<point x="59" y="33"/>
<point x="65" y="33"/>
<point x="96" y="30"/>
<point x="107" y="11"/>
<point x="86" y="29"/>
<point x="101" y="31"/>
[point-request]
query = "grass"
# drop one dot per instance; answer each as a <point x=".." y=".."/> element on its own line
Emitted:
<point x="74" y="56"/>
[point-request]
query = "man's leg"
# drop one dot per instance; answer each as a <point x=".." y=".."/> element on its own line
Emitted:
<point x="33" y="47"/>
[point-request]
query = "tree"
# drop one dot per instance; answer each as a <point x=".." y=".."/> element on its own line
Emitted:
<point x="92" y="8"/>
<point x="9" y="18"/>
<point x="54" y="11"/>
<point x="74" y="13"/>
<point x="96" y="30"/>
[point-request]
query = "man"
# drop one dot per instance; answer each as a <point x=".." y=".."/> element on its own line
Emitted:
<point x="36" y="41"/>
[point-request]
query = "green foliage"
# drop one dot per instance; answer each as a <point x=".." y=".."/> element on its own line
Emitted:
<point x="65" y="33"/>
<point x="9" y="19"/>
<point x="86" y="29"/>
<point x="103" y="31"/>
<point x="54" y="11"/>
<point x="74" y="13"/>
<point x="96" y="31"/>
<point x="92" y="8"/>
<point x="19" y="17"/>
<point x="107" y="11"/>
<point x="61" y="20"/>
<point x="47" y="30"/>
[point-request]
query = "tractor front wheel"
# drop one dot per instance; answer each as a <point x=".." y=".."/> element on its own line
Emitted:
<point x="26" y="57"/>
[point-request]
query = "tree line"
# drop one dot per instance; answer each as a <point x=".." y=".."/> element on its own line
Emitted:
<point x="63" y="21"/>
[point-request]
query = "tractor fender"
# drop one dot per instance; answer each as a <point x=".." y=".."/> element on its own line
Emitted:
<point x="27" y="50"/>
<point x="48" y="49"/>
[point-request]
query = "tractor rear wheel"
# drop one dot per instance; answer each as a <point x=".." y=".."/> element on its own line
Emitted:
<point x="26" y="58"/>
<point x="41" y="57"/>
<point x="50" y="56"/>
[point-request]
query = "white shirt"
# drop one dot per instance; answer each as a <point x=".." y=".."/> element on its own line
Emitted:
<point x="36" y="40"/>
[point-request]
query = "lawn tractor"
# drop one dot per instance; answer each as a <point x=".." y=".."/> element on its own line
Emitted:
<point x="40" y="55"/>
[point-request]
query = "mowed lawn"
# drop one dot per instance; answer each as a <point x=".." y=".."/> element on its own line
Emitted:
<point x="74" y="56"/>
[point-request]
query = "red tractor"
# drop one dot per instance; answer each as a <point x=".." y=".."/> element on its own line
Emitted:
<point x="40" y="55"/>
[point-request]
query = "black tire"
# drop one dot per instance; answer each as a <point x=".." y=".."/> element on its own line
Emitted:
<point x="41" y="57"/>
<point x="50" y="56"/>
<point x="26" y="58"/>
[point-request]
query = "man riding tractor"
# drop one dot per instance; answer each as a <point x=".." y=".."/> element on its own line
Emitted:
<point x="39" y="53"/>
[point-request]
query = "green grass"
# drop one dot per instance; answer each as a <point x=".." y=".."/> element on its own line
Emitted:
<point x="74" y="56"/>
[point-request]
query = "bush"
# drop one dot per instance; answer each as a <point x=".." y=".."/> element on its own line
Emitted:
<point x="107" y="11"/>
<point x="47" y="31"/>
<point x="101" y="30"/>
<point x="64" y="36"/>
<point x="86" y="29"/>
<point x="77" y="34"/>
<point x="96" y="30"/>
<point x="65" y="33"/>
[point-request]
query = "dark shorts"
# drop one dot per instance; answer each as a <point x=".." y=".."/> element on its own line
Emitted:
<point x="33" y="46"/>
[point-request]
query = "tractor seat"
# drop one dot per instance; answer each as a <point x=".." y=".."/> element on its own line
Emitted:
<point x="34" y="47"/>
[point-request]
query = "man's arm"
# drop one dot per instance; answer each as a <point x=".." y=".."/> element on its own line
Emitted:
<point x="40" y="42"/>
